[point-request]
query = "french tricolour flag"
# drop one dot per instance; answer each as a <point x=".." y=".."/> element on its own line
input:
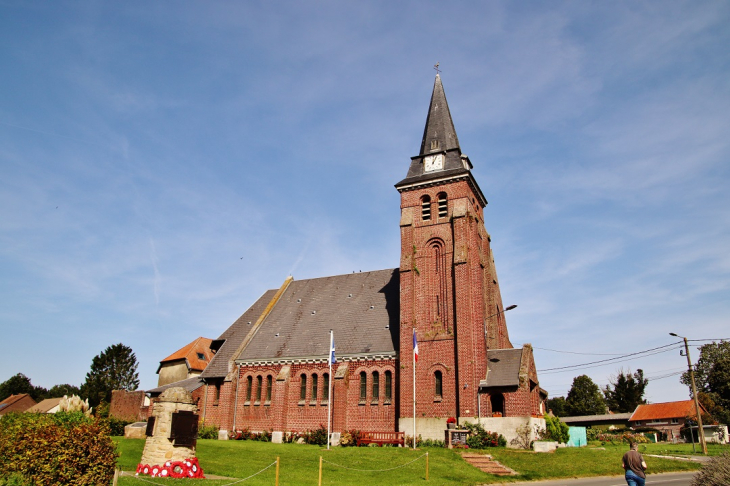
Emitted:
<point x="332" y="359"/>
<point x="415" y="346"/>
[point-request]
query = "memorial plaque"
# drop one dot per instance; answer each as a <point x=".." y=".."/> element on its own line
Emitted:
<point x="150" y="426"/>
<point x="184" y="428"/>
<point x="459" y="437"/>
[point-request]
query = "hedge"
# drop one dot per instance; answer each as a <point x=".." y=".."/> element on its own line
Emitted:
<point x="61" y="448"/>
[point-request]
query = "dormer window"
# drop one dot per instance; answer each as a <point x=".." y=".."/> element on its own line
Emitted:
<point x="201" y="356"/>
<point x="426" y="208"/>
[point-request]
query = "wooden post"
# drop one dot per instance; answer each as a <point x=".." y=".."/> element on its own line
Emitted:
<point x="116" y="477"/>
<point x="277" y="470"/>
<point x="427" y="466"/>
<point x="320" y="471"/>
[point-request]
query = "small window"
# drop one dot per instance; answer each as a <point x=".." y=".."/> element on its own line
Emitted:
<point x="303" y="387"/>
<point x="315" y="380"/>
<point x="363" y="386"/>
<point x="259" y="386"/>
<point x="217" y="394"/>
<point x="376" y="386"/>
<point x="269" y="386"/>
<point x="434" y="144"/>
<point x="675" y="421"/>
<point x="426" y="208"/>
<point x="326" y="384"/>
<point x="388" y="386"/>
<point x="201" y="356"/>
<point x="443" y="205"/>
<point x="249" y="387"/>
<point x="438" y="384"/>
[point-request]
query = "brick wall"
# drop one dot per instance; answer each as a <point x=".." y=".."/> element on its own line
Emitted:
<point x="127" y="405"/>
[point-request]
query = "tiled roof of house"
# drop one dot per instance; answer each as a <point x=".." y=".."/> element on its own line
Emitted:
<point x="503" y="368"/>
<point x="45" y="405"/>
<point x="597" y="419"/>
<point x="234" y="336"/>
<point x="667" y="410"/>
<point x="362" y="309"/>
<point x="192" y="353"/>
<point x="16" y="403"/>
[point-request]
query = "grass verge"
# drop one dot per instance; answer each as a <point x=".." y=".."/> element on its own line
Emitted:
<point x="299" y="464"/>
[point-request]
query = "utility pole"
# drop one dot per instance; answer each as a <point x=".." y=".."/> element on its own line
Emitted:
<point x="694" y="394"/>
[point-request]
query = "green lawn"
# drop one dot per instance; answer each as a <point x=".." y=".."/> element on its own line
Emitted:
<point x="299" y="464"/>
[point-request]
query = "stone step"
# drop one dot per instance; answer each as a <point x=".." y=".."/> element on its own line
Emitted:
<point x="487" y="464"/>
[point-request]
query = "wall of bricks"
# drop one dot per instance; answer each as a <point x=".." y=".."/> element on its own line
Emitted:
<point x="128" y="405"/>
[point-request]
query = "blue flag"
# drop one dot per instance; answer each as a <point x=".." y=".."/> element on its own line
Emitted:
<point x="332" y="359"/>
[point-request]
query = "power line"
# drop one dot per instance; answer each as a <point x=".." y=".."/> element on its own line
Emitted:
<point x="602" y="361"/>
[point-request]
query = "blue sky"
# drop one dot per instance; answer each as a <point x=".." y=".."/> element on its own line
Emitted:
<point x="162" y="165"/>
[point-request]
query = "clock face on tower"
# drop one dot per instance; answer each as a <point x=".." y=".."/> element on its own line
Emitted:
<point x="433" y="162"/>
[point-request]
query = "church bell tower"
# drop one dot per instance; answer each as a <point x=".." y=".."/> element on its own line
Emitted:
<point x="449" y="293"/>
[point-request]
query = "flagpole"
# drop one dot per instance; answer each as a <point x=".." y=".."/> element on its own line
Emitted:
<point x="414" y="389"/>
<point x="329" y="391"/>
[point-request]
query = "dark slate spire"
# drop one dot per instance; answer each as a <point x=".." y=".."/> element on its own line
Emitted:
<point x="439" y="134"/>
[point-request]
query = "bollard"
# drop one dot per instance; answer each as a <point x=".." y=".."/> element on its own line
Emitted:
<point x="427" y="466"/>
<point x="320" y="471"/>
<point x="277" y="470"/>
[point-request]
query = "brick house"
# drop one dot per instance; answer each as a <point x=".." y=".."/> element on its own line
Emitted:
<point x="270" y="368"/>
<point x="668" y="417"/>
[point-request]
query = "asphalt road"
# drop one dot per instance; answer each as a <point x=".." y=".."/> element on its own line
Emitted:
<point x="666" y="479"/>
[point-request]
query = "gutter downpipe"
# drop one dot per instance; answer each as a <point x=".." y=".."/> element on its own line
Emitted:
<point x="235" y="402"/>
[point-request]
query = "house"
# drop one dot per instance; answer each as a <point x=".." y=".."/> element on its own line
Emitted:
<point x="186" y="362"/>
<point x="49" y="405"/>
<point x="270" y="369"/>
<point x="668" y="417"/>
<point x="16" y="403"/>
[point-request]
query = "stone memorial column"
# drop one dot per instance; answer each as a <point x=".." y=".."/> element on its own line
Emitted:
<point x="172" y="430"/>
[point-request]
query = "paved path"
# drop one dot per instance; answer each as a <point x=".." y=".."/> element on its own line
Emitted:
<point x="664" y="479"/>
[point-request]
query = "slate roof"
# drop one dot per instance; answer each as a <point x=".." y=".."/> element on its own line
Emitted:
<point x="45" y="405"/>
<point x="362" y="309"/>
<point x="667" y="410"/>
<point x="439" y="128"/>
<point x="503" y="368"/>
<point x="189" y="353"/>
<point x="233" y="337"/>
<point x="190" y="384"/>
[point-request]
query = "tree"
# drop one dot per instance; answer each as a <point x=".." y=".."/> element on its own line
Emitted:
<point x="114" y="369"/>
<point x="627" y="392"/>
<point x="58" y="391"/>
<point x="712" y="377"/>
<point x="18" y="384"/>
<point x="585" y="398"/>
<point x="558" y="406"/>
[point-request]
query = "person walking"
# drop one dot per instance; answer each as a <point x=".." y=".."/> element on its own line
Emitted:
<point x="634" y="465"/>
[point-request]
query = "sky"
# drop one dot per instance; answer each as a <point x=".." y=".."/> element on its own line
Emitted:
<point x="163" y="164"/>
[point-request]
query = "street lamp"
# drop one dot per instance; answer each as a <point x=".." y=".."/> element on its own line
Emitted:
<point x="694" y="394"/>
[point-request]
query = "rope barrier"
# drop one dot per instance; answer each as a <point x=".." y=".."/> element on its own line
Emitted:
<point x="229" y="484"/>
<point x="375" y="470"/>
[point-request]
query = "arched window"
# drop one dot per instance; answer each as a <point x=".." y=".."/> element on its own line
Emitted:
<point x="426" y="208"/>
<point x="303" y="387"/>
<point x="249" y="387"/>
<point x="315" y="380"/>
<point x="269" y="386"/>
<point x="439" y="281"/>
<point x="326" y="384"/>
<point x="438" y="384"/>
<point x="388" y="386"/>
<point x="376" y="386"/>
<point x="443" y="205"/>
<point x="363" y="386"/>
<point x="259" y="386"/>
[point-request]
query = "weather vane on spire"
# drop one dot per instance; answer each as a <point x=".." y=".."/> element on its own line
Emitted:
<point x="436" y="67"/>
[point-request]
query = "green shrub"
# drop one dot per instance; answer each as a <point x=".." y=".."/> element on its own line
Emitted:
<point x="208" y="432"/>
<point x="716" y="472"/>
<point x="116" y="426"/>
<point x="316" y="436"/>
<point x="14" y="480"/>
<point x="62" y="448"/>
<point x="556" y="430"/>
<point x="481" y="439"/>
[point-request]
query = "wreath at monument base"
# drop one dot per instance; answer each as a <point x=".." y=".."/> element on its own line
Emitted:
<point x="188" y="468"/>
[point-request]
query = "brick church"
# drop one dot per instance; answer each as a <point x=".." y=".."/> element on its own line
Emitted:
<point x="270" y="369"/>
